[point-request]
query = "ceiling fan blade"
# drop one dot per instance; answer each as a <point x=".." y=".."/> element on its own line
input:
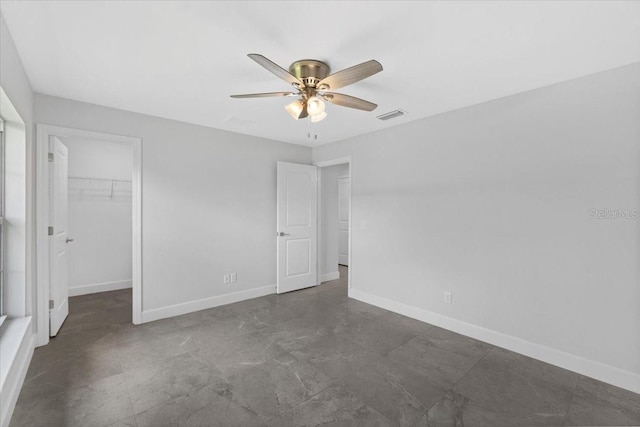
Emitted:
<point x="275" y="69"/>
<point x="351" y="75"/>
<point x="264" y="95"/>
<point x="349" y="101"/>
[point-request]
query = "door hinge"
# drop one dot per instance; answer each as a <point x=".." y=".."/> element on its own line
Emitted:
<point x="50" y="231"/>
<point x="51" y="305"/>
<point x="50" y="157"/>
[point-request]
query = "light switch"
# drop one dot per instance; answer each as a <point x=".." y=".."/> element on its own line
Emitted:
<point x="363" y="224"/>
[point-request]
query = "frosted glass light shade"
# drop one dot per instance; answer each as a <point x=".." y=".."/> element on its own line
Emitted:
<point x="315" y="106"/>
<point x="296" y="109"/>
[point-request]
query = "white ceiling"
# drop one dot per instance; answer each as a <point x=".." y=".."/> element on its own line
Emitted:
<point x="182" y="60"/>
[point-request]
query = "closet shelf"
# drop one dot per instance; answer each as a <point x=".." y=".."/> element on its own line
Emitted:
<point x="99" y="187"/>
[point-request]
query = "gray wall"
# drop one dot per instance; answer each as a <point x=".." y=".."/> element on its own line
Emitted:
<point x="208" y="200"/>
<point x="493" y="203"/>
<point x="14" y="80"/>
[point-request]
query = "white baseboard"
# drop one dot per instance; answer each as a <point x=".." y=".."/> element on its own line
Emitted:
<point x="205" y="303"/>
<point x="329" y="276"/>
<point x="16" y="373"/>
<point x="600" y="371"/>
<point x="99" y="287"/>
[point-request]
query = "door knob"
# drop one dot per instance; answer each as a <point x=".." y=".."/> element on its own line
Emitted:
<point x="282" y="234"/>
<point x="69" y="240"/>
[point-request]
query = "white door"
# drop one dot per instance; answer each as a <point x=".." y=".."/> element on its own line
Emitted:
<point x="344" y="196"/>
<point x="297" y="226"/>
<point x="58" y="243"/>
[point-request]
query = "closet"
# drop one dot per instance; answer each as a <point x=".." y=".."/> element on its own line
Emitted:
<point x="100" y="216"/>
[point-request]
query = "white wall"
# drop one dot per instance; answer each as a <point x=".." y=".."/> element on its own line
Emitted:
<point x="100" y="221"/>
<point x="329" y="226"/>
<point x="492" y="203"/>
<point x="208" y="204"/>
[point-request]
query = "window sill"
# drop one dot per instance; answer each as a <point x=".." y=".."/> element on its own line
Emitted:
<point x="12" y="335"/>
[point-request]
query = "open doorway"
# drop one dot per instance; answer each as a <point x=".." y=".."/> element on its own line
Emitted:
<point x="89" y="258"/>
<point x="334" y="220"/>
<point x="99" y="231"/>
<point x="100" y="215"/>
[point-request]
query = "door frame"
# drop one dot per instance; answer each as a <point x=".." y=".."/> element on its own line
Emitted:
<point x="320" y="165"/>
<point x="340" y="180"/>
<point x="43" y="132"/>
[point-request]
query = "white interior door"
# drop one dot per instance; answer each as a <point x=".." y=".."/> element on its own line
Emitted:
<point x="297" y="226"/>
<point x="344" y="196"/>
<point x="58" y="243"/>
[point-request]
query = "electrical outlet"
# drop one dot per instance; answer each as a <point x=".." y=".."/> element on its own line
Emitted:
<point x="234" y="277"/>
<point x="363" y="224"/>
<point x="447" y="297"/>
<point x="227" y="278"/>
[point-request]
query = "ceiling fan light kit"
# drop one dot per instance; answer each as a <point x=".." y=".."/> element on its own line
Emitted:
<point x="297" y="109"/>
<point x="315" y="106"/>
<point x="312" y="82"/>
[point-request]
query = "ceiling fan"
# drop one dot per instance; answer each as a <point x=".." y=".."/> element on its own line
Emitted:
<point x="313" y="84"/>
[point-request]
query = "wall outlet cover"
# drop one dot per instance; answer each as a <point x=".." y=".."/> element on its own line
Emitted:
<point x="447" y="297"/>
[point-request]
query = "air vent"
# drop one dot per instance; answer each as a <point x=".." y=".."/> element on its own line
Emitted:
<point x="391" y="115"/>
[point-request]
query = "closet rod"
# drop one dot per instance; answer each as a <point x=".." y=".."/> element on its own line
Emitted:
<point x="84" y="178"/>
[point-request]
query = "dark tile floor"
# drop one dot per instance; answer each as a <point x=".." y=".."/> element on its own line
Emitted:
<point x="306" y="358"/>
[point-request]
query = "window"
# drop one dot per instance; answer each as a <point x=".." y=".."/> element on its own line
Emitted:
<point x="1" y="220"/>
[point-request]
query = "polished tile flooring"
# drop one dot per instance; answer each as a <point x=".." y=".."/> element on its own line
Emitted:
<point x="312" y="357"/>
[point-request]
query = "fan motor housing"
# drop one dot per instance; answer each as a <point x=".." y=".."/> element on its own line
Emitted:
<point x="310" y="71"/>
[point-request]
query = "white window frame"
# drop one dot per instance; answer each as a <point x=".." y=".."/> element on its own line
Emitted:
<point x="2" y="249"/>
<point x="16" y="332"/>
